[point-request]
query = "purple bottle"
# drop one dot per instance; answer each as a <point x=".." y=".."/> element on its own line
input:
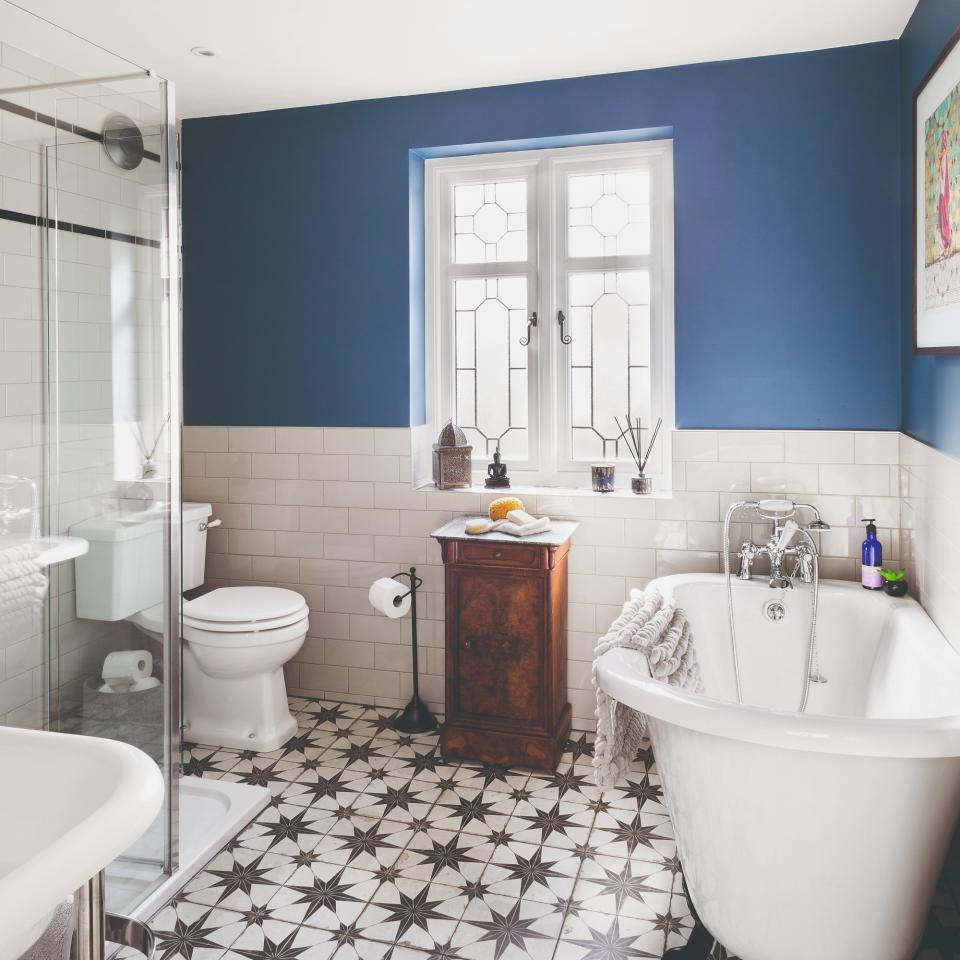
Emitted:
<point x="872" y="558"/>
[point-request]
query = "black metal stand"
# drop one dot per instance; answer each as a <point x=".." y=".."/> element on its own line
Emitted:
<point x="416" y="717"/>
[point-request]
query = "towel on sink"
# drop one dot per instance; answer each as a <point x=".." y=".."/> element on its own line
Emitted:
<point x="23" y="588"/>
<point x="660" y="630"/>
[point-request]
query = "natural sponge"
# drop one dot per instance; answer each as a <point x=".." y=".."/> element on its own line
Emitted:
<point x="502" y="506"/>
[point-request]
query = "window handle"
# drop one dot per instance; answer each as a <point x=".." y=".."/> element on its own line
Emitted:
<point x="531" y="322"/>
<point x="561" y="319"/>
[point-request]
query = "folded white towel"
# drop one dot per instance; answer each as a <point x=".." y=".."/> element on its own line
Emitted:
<point x="525" y="529"/>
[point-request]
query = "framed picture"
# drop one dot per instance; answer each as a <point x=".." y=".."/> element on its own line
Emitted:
<point x="936" y="211"/>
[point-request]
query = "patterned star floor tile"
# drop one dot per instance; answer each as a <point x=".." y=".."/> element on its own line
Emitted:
<point x="371" y="830"/>
<point x="361" y="949"/>
<point x="397" y="799"/>
<point x="364" y="843"/>
<point x="412" y="913"/>
<point x="556" y="823"/>
<point x="380" y="726"/>
<point x="360" y="753"/>
<point x="275" y="940"/>
<point x="208" y="761"/>
<point x="504" y="928"/>
<point x="624" y="887"/>
<point x="261" y="772"/>
<point x="442" y="856"/>
<point x="323" y="787"/>
<point x="578" y="749"/>
<point x="532" y="872"/>
<point x="628" y="833"/>
<point x="426" y="767"/>
<point x="288" y="829"/>
<point x="192" y="931"/>
<point x="475" y="811"/>
<point x="637" y="791"/>
<point x="411" y="743"/>
<point x="492" y="777"/>
<point x="308" y="743"/>
<point x="239" y="879"/>
<point x="602" y="936"/>
<point x="568" y="783"/>
<point x="324" y="895"/>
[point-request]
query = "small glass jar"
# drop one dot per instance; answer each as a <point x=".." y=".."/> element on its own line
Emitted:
<point x="641" y="484"/>
<point x="602" y="475"/>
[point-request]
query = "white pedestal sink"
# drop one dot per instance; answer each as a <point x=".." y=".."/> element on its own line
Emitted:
<point x="69" y="805"/>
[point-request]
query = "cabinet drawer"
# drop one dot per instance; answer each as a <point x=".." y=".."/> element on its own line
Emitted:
<point x="499" y="554"/>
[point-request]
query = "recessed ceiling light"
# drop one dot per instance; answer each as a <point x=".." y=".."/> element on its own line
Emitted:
<point x="203" y="51"/>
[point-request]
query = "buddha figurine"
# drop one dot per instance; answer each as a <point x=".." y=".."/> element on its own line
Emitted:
<point x="497" y="472"/>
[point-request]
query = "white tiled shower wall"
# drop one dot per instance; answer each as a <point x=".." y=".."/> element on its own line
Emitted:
<point x="103" y="327"/>
<point x="327" y="510"/>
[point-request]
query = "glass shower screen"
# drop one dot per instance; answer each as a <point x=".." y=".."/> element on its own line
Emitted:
<point x="112" y="419"/>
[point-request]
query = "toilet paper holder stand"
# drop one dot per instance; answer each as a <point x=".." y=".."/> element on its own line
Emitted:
<point x="416" y="716"/>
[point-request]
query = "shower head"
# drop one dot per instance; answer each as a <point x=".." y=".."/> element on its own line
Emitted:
<point x="123" y="141"/>
<point x="776" y="509"/>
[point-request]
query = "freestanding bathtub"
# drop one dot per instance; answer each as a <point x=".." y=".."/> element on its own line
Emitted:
<point x="814" y="836"/>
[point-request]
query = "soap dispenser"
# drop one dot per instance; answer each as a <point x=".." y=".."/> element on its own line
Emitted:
<point x="872" y="558"/>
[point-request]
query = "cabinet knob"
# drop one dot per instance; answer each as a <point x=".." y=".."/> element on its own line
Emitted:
<point x="467" y="644"/>
<point x="497" y="554"/>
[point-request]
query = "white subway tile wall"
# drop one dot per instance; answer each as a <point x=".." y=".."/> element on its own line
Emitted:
<point x="346" y="513"/>
<point x="930" y="509"/>
<point x="91" y="192"/>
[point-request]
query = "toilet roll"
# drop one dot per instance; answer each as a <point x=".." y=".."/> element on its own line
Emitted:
<point x="383" y="591"/>
<point x="127" y="665"/>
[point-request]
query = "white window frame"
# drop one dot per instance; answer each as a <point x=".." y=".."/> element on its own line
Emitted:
<point x="546" y="269"/>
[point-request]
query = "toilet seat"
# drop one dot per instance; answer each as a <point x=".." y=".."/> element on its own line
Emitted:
<point x="254" y="611"/>
<point x="244" y="610"/>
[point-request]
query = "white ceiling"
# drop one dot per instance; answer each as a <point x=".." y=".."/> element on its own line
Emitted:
<point x="285" y="53"/>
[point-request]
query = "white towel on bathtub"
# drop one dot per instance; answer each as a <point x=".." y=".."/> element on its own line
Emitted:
<point x="660" y="630"/>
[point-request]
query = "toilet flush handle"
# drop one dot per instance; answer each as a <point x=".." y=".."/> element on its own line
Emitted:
<point x="209" y="524"/>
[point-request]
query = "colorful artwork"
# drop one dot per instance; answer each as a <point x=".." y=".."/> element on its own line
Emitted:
<point x="941" y="218"/>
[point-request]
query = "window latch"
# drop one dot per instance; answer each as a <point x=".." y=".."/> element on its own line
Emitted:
<point x="531" y="322"/>
<point x="562" y="319"/>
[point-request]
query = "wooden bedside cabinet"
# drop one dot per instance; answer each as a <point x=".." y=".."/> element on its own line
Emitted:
<point x="506" y="645"/>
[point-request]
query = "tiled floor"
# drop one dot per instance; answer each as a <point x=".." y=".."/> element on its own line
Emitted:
<point x="374" y="847"/>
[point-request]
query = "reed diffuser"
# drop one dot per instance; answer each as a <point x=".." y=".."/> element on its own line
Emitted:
<point x="640" y="484"/>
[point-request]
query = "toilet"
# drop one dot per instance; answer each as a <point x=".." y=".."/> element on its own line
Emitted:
<point x="235" y="639"/>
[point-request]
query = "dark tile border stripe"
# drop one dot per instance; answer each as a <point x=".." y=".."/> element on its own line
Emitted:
<point x="10" y="107"/>
<point x="34" y="221"/>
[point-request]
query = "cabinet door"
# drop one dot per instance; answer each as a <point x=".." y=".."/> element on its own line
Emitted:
<point x="499" y="656"/>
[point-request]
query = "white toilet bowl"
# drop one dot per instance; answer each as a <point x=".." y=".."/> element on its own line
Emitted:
<point x="235" y="643"/>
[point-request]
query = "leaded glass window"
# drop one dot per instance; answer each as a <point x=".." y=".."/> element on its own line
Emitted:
<point x="491" y="378"/>
<point x="490" y="221"/>
<point x="549" y="305"/>
<point x="609" y="359"/>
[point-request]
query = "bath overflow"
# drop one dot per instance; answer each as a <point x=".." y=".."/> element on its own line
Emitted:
<point x="775" y="610"/>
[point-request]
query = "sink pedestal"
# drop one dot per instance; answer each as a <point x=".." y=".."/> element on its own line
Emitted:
<point x="94" y="927"/>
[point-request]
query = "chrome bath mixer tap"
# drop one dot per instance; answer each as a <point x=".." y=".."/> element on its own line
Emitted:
<point x="778" y="548"/>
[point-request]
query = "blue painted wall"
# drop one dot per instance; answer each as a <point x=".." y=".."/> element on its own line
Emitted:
<point x="297" y="257"/>
<point x="931" y="384"/>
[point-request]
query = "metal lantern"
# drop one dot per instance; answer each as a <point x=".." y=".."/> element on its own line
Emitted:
<point x="452" y="463"/>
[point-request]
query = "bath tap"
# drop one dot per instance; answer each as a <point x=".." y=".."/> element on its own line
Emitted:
<point x="778" y="548"/>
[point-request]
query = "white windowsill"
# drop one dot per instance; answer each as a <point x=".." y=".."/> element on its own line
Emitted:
<point x="620" y="493"/>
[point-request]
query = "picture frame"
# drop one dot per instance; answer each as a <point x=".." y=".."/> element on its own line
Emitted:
<point x="936" y="205"/>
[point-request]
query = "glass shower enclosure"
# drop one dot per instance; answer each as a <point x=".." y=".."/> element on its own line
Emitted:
<point x="90" y="410"/>
<point x="110" y="243"/>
